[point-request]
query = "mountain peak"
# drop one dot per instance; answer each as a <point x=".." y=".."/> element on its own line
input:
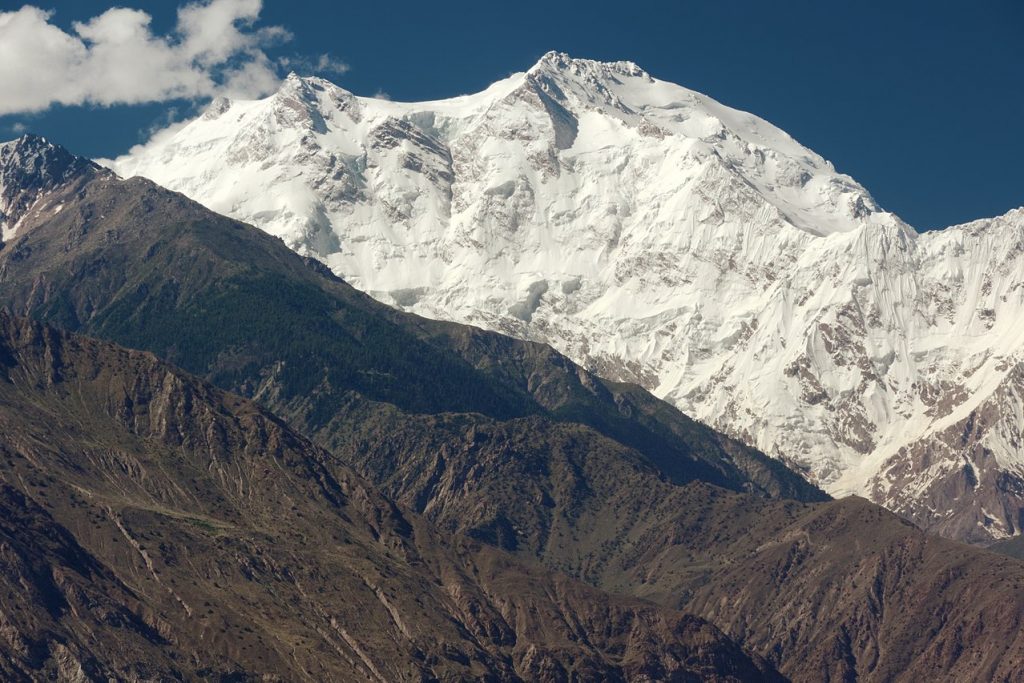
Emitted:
<point x="562" y="62"/>
<point x="294" y="82"/>
<point x="30" y="166"/>
<point x="26" y="142"/>
<point x="32" y="156"/>
<point x="307" y="89"/>
<point x="292" y="85"/>
<point x="552" y="59"/>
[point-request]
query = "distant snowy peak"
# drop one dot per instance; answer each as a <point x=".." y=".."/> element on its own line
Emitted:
<point x="801" y="184"/>
<point x="655" y="236"/>
<point x="29" y="168"/>
<point x="562" y="110"/>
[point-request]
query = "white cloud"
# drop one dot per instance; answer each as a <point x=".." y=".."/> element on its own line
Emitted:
<point x="18" y="127"/>
<point x="115" y="58"/>
<point x="324" y="64"/>
<point x="331" y="65"/>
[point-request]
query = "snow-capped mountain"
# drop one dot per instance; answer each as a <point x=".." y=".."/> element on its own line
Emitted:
<point x="660" y="237"/>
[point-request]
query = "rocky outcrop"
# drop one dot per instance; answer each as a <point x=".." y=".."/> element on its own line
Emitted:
<point x="968" y="471"/>
<point x="31" y="167"/>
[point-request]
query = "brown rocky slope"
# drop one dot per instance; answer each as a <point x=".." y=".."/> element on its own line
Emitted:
<point x="155" y="528"/>
<point x="839" y="590"/>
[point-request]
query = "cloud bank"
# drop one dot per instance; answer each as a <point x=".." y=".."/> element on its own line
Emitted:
<point x="115" y="58"/>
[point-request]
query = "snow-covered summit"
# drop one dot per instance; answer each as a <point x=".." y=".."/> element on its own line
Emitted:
<point x="577" y="108"/>
<point x="654" y="235"/>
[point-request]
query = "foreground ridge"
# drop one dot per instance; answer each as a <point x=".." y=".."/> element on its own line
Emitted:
<point x="154" y="527"/>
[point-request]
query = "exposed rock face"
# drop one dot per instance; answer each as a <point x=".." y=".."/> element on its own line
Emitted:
<point x="977" y="455"/>
<point x="156" y="528"/>
<point x="653" y="236"/>
<point x="30" y="167"/>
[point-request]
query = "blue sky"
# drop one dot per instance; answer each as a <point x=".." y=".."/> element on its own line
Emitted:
<point x="922" y="102"/>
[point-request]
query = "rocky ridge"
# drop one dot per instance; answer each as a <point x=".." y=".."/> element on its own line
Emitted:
<point x="156" y="528"/>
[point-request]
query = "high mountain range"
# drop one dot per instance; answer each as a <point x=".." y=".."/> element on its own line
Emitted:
<point x="369" y="494"/>
<point x="657" y="237"/>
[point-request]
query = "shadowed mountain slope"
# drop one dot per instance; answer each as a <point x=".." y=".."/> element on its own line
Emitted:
<point x="839" y="590"/>
<point x="156" y="528"/>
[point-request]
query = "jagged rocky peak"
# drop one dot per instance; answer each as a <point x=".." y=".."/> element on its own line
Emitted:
<point x="310" y="89"/>
<point x="295" y="85"/>
<point x="300" y="101"/>
<point x="30" y="167"/>
<point x="32" y="160"/>
<point x="587" y="70"/>
<point x="309" y="102"/>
